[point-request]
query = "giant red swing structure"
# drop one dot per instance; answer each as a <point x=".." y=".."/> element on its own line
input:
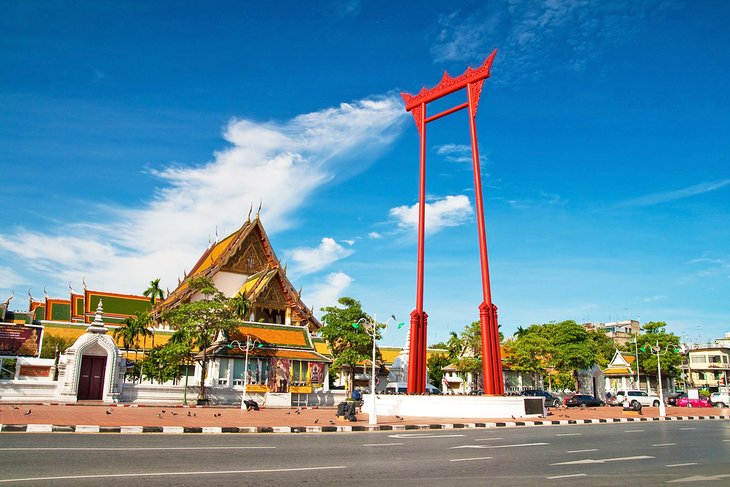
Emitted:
<point x="472" y="80"/>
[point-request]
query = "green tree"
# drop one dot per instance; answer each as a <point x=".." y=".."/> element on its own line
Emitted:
<point x="154" y="291"/>
<point x="530" y="352"/>
<point x="198" y="323"/>
<point x="349" y="345"/>
<point x="654" y="335"/>
<point x="573" y="348"/>
<point x="131" y="330"/>
<point x="241" y="306"/>
<point x="53" y="344"/>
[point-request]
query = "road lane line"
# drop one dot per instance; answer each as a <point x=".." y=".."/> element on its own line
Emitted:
<point x="422" y="435"/>
<point x="634" y="431"/>
<point x="681" y="464"/>
<point x="500" y="446"/>
<point x="685" y="429"/>
<point x="700" y="478"/>
<point x="167" y="474"/>
<point x="470" y="459"/>
<point x="604" y="460"/>
<point x="566" y="476"/>
<point x="583" y="451"/>
<point x="488" y="439"/>
<point x="665" y="444"/>
<point x="569" y="434"/>
<point x="140" y="448"/>
<point x="382" y="444"/>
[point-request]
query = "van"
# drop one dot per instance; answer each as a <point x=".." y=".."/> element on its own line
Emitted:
<point x="402" y="388"/>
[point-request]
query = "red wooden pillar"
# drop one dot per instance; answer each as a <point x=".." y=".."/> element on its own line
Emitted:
<point x="472" y="80"/>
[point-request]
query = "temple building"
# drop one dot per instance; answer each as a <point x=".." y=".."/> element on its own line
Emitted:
<point x="272" y="352"/>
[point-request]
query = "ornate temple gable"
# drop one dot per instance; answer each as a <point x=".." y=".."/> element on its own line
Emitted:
<point x="271" y="296"/>
<point x="249" y="258"/>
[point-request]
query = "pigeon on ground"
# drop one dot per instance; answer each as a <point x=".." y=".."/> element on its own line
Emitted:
<point x="288" y="412"/>
<point x="159" y="415"/>
<point x="316" y="421"/>
<point x="109" y="411"/>
<point x="28" y="412"/>
<point x="16" y="407"/>
<point x="399" y="418"/>
<point x="332" y="422"/>
<point x="163" y="411"/>
<point x="189" y="413"/>
<point x="174" y="413"/>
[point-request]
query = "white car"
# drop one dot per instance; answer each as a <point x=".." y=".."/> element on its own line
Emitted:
<point x="720" y="399"/>
<point x="639" y="397"/>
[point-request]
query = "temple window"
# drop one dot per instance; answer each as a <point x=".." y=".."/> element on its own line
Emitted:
<point x="223" y="372"/>
<point x="258" y="371"/>
<point x="300" y="369"/>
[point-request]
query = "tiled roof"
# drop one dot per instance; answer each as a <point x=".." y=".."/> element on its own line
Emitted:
<point x="618" y="371"/>
<point x="275" y="335"/>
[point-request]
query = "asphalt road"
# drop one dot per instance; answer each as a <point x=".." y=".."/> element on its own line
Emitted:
<point x="647" y="453"/>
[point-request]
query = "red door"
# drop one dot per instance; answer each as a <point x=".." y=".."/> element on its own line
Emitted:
<point x="91" y="381"/>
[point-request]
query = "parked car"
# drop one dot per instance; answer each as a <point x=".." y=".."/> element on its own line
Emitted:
<point x="550" y="400"/>
<point x="672" y="400"/>
<point x="693" y="403"/>
<point x="583" y="400"/>
<point x="402" y="388"/>
<point x="720" y="399"/>
<point x="637" y="397"/>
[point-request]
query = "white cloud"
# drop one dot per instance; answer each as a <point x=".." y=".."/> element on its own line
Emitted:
<point x="667" y="196"/>
<point x="312" y="259"/>
<point x="450" y="211"/>
<point x="374" y="235"/>
<point x="454" y="152"/>
<point x="328" y="292"/>
<point x="129" y="246"/>
<point x="537" y="37"/>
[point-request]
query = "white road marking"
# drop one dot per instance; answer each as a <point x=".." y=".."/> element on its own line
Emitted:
<point x="422" y="435"/>
<point x="582" y="451"/>
<point x="604" y="460"/>
<point x="469" y="459"/>
<point x="681" y="464"/>
<point x="566" y="476"/>
<point x="499" y="446"/>
<point x="488" y="439"/>
<point x="664" y="444"/>
<point x="382" y="444"/>
<point x="138" y="448"/>
<point x="168" y="474"/>
<point x="569" y="434"/>
<point x="699" y="478"/>
<point x="633" y="431"/>
<point x="685" y="429"/>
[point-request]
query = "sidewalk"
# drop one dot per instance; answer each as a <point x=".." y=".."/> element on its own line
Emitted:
<point x="177" y="419"/>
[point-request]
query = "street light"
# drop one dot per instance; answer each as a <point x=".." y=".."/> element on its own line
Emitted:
<point x="657" y="349"/>
<point x="371" y="328"/>
<point x="250" y="344"/>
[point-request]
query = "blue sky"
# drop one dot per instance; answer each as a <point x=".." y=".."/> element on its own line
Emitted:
<point x="131" y="131"/>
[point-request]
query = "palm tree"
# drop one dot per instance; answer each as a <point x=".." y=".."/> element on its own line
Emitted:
<point x="241" y="305"/>
<point x="132" y="329"/>
<point x="154" y="291"/>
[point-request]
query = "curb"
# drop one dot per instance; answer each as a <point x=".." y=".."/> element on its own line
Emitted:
<point x="54" y="428"/>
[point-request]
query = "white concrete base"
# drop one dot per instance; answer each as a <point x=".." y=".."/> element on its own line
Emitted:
<point x="476" y="407"/>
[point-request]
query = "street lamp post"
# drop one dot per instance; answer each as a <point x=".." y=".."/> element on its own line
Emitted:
<point x="657" y="349"/>
<point x="250" y="344"/>
<point x="371" y="328"/>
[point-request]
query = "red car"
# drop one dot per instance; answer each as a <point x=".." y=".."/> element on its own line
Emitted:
<point x="693" y="403"/>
